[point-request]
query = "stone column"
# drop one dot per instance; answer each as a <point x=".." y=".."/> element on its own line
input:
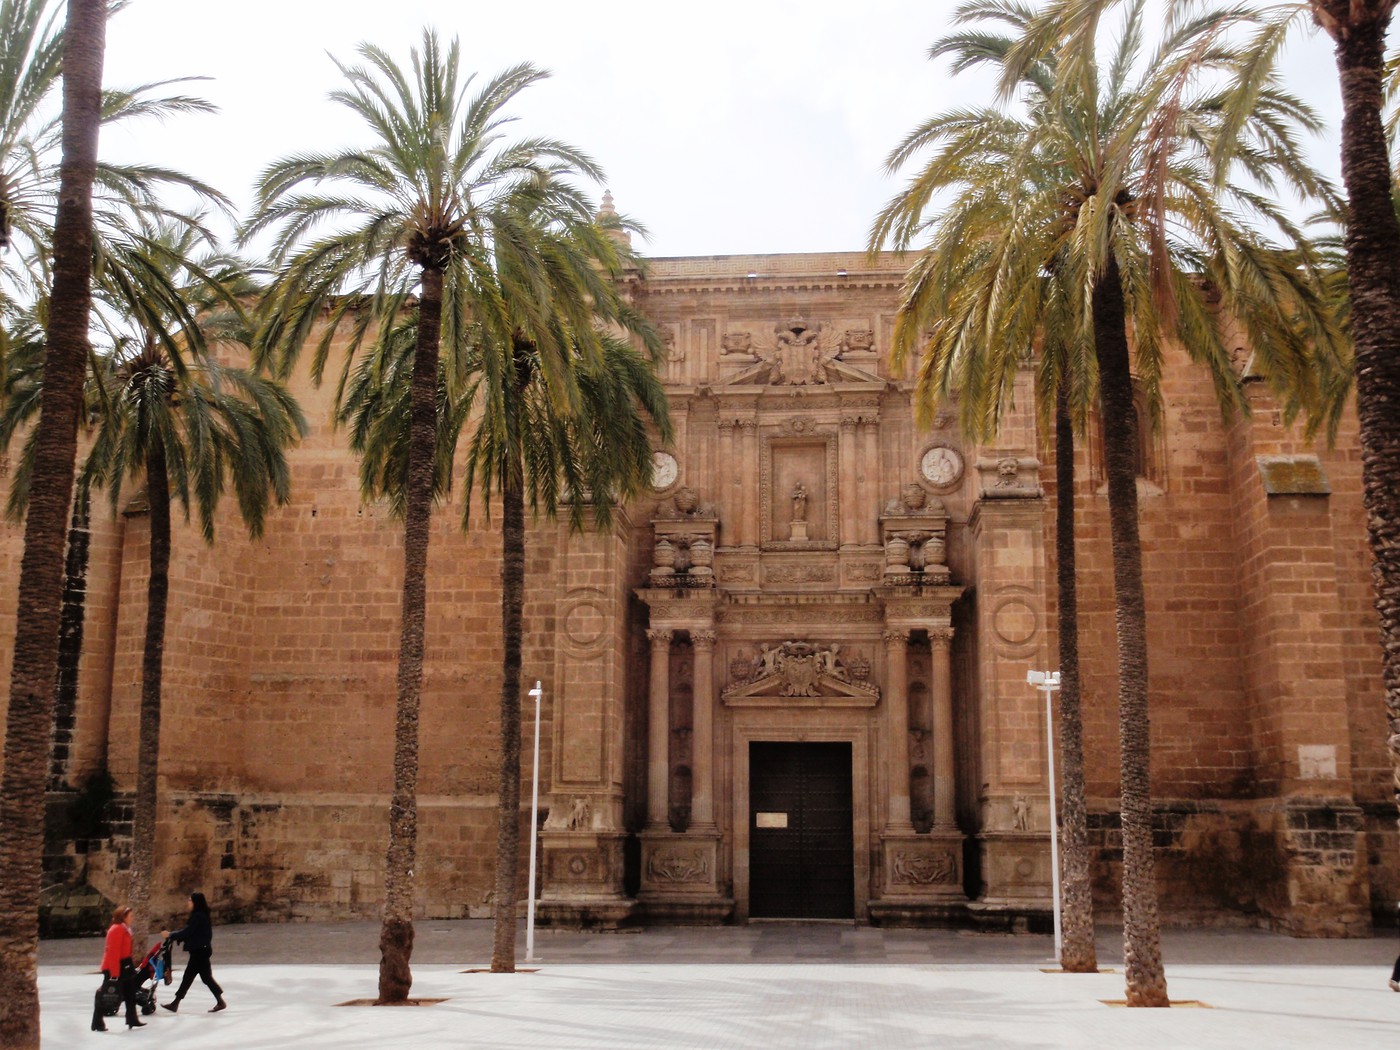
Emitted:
<point x="944" y="775"/>
<point x="897" y="724"/>
<point x="659" y="730"/>
<point x="702" y="815"/>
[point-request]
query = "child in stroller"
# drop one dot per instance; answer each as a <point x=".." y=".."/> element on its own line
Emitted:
<point x="153" y="971"/>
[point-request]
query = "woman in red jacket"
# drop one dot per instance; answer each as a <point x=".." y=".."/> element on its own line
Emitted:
<point x="117" y="964"/>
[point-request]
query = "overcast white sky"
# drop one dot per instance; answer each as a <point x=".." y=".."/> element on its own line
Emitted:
<point x="726" y="127"/>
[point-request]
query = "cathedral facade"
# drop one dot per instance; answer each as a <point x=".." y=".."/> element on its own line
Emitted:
<point x="790" y="682"/>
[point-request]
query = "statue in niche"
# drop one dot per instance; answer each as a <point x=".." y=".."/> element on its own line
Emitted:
<point x="580" y="815"/>
<point x="1021" y="813"/>
<point x="799" y="502"/>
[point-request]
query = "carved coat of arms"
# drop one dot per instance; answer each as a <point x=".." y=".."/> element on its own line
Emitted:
<point x="797" y="353"/>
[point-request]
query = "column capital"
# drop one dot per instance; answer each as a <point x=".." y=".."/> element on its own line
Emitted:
<point x="660" y="637"/>
<point x="896" y="636"/>
<point x="940" y="637"/>
<point x="703" y="641"/>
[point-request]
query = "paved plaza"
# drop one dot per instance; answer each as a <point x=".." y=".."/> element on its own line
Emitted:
<point x="761" y="986"/>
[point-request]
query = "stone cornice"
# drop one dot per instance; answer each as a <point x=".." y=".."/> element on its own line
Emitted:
<point x="807" y="272"/>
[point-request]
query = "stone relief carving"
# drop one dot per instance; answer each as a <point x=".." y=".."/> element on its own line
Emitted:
<point x="799" y="574"/>
<point x="863" y="572"/>
<point x="911" y="868"/>
<point x="675" y="353"/>
<point x="738" y="573"/>
<point x="798" y="353"/>
<point x="798" y="615"/>
<point x="796" y="669"/>
<point x="676" y="865"/>
<point x="737" y="343"/>
<point x="577" y="817"/>
<point x="686" y="503"/>
<point x="857" y="341"/>
<point x="1009" y="477"/>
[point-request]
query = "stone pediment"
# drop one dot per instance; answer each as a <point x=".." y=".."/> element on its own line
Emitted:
<point x="798" y="674"/>
<point x="796" y="354"/>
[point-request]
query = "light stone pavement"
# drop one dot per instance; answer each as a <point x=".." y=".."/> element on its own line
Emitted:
<point x="767" y="986"/>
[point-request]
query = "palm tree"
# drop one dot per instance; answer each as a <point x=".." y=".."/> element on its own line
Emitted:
<point x="30" y="711"/>
<point x="1115" y="198"/>
<point x="527" y="449"/>
<point x="1372" y="240"/>
<point x="570" y="432"/>
<point x="1358" y="30"/>
<point x="421" y="212"/>
<point x="1078" y="951"/>
<point x="164" y="411"/>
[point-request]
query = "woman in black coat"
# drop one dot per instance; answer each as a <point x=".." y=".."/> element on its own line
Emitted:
<point x="198" y="938"/>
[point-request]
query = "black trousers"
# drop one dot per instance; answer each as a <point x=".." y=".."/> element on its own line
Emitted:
<point x="1395" y="973"/>
<point x="126" y="985"/>
<point x="198" y="965"/>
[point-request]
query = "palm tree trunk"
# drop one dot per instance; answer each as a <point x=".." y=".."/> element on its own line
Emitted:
<point x="143" y="830"/>
<point x="1373" y="277"/>
<point x="1077" y="950"/>
<point x="70" y="637"/>
<point x="29" y="716"/>
<point x="508" y="827"/>
<point x="396" y="933"/>
<point x="1142" y="949"/>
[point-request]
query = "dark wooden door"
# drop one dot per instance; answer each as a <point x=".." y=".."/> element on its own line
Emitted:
<point x="801" y="842"/>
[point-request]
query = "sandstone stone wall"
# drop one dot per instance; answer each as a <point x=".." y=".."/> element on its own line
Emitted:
<point x="1269" y="765"/>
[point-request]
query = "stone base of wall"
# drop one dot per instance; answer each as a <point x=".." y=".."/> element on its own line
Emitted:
<point x="298" y="858"/>
<point x="1296" y="866"/>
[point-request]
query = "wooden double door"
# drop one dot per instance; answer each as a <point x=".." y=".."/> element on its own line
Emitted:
<point x="801" y="837"/>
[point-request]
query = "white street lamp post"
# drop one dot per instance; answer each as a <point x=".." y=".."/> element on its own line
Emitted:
<point x="536" y="692"/>
<point x="1049" y="681"/>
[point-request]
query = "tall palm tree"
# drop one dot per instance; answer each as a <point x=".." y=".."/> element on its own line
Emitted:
<point x="1114" y="198"/>
<point x="528" y="450"/>
<point x="1358" y="30"/>
<point x="1078" y="950"/>
<point x="165" y="412"/>
<point x="571" y="432"/>
<point x="30" y="710"/>
<point x="416" y="218"/>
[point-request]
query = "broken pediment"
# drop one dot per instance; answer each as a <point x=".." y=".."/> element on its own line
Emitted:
<point x="798" y="353"/>
<point x="799" y="674"/>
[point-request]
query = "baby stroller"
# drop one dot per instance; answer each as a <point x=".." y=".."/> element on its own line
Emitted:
<point x="153" y="971"/>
